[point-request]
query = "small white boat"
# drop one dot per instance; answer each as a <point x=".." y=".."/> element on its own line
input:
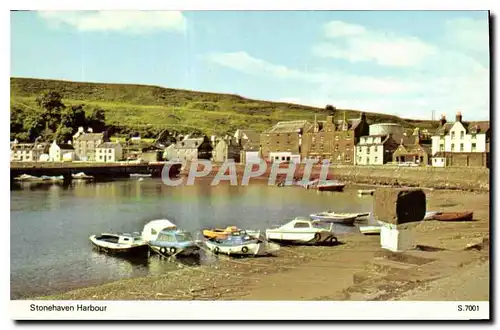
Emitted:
<point x="302" y="230"/>
<point x="370" y="230"/>
<point x="82" y="176"/>
<point x="362" y="192"/>
<point x="139" y="175"/>
<point x="119" y="243"/>
<point x="241" y="243"/>
<point x="342" y="218"/>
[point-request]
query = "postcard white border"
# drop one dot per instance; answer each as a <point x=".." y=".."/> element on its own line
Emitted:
<point x="348" y="310"/>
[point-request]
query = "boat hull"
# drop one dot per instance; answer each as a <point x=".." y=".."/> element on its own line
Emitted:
<point x="453" y="216"/>
<point x="330" y="187"/>
<point x="370" y="230"/>
<point x="122" y="249"/>
<point x="177" y="251"/>
<point x="340" y="220"/>
<point x="300" y="237"/>
<point x="250" y="249"/>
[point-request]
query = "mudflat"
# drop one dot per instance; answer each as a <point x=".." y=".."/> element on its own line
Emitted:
<point x="451" y="263"/>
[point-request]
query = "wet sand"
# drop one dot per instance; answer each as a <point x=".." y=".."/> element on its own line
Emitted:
<point x="357" y="269"/>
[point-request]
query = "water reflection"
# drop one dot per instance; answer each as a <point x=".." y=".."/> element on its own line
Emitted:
<point x="51" y="225"/>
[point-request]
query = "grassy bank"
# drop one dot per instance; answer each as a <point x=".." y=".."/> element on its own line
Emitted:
<point x="182" y="110"/>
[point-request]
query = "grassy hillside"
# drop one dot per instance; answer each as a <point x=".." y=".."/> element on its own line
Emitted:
<point x="134" y="106"/>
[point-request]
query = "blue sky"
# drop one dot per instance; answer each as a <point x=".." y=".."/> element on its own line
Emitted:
<point x="402" y="63"/>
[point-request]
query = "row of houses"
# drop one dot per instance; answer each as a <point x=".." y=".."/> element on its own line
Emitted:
<point x="347" y="142"/>
<point x="84" y="146"/>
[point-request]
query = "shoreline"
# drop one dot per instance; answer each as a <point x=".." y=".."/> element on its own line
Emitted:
<point x="357" y="269"/>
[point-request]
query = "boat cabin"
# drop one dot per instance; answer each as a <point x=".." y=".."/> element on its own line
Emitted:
<point x="174" y="236"/>
<point x="153" y="228"/>
<point x="119" y="239"/>
<point x="304" y="223"/>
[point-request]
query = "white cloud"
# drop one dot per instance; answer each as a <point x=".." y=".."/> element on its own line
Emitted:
<point x="471" y="34"/>
<point x="123" y="21"/>
<point x="356" y="43"/>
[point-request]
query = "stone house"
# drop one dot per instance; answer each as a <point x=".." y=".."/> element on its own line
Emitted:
<point x="151" y="154"/>
<point x="61" y="152"/>
<point x="283" y="142"/>
<point x="225" y="149"/>
<point x="109" y="152"/>
<point x="334" y="140"/>
<point x="461" y="143"/>
<point x="85" y="144"/>
<point x="415" y="149"/>
<point x="190" y="149"/>
<point x="23" y="152"/>
<point x="375" y="150"/>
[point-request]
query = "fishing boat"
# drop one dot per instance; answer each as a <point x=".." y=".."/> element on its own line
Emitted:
<point x="363" y="192"/>
<point x="453" y="216"/>
<point x="241" y="243"/>
<point x="370" y="230"/>
<point x="119" y="243"/>
<point x="325" y="185"/>
<point x="302" y="230"/>
<point x="223" y="233"/>
<point x="174" y="243"/>
<point x="82" y="176"/>
<point x="153" y="228"/>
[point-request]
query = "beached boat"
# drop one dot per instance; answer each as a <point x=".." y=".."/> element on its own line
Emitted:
<point x="153" y="228"/>
<point x="430" y="215"/>
<point x="223" y="233"/>
<point x="27" y="178"/>
<point x="370" y="230"/>
<point x="174" y="243"/>
<point x="363" y="192"/>
<point x="453" y="216"/>
<point x="119" y="243"/>
<point x="241" y="243"/>
<point x="302" y="230"/>
<point x="345" y="219"/>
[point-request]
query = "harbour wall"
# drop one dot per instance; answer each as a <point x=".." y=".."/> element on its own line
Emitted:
<point x="458" y="178"/>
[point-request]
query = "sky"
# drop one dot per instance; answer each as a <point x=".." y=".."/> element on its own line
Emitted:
<point x="405" y="63"/>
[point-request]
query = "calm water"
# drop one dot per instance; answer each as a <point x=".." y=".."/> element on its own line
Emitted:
<point x="50" y="225"/>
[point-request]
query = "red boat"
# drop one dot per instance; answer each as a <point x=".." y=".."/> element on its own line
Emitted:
<point x="453" y="216"/>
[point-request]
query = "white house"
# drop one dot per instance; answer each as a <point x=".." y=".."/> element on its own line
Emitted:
<point x="109" y="152"/>
<point x="374" y="150"/>
<point x="61" y="152"/>
<point x="21" y="152"/>
<point x="460" y="136"/>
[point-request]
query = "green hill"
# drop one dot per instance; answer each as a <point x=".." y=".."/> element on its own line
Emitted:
<point x="150" y="109"/>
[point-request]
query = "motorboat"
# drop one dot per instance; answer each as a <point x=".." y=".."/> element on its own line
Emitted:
<point x="119" y="243"/>
<point x="325" y="185"/>
<point x="241" y="243"/>
<point x="154" y="227"/>
<point x="303" y="230"/>
<point x="82" y="176"/>
<point x="174" y="243"/>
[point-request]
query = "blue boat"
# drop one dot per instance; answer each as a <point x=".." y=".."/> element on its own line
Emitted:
<point x="174" y="243"/>
<point x="241" y="243"/>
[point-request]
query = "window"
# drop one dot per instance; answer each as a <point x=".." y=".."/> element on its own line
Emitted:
<point x="359" y="149"/>
<point x="336" y="147"/>
<point x="375" y="148"/>
<point x="462" y="135"/>
<point x="421" y="159"/>
<point x="368" y="150"/>
<point x="452" y="135"/>
<point x="153" y="231"/>
<point x="473" y="148"/>
<point x="473" y="136"/>
<point x="301" y="225"/>
<point x="288" y="158"/>
<point x="347" y="158"/>
<point x="452" y="146"/>
<point x="397" y="159"/>
<point x="461" y="147"/>
<point x="376" y="159"/>
<point x="441" y="147"/>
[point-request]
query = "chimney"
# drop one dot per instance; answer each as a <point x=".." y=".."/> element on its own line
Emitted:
<point x="458" y="117"/>
<point x="442" y="121"/>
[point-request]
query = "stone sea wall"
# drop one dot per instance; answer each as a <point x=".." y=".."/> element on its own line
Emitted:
<point x="460" y="178"/>
<point x="463" y="178"/>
